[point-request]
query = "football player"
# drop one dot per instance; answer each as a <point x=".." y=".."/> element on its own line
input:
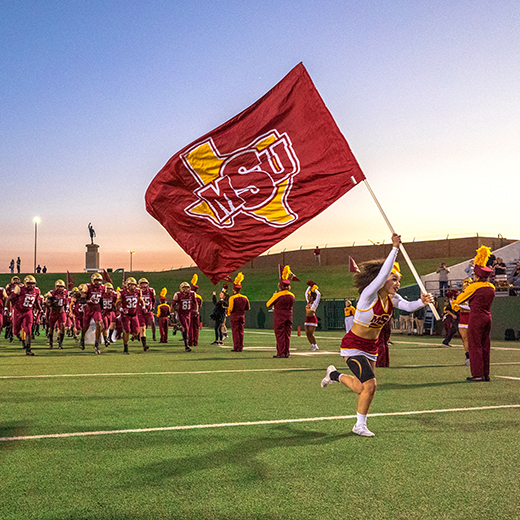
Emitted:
<point x="24" y="298"/>
<point x="91" y="295"/>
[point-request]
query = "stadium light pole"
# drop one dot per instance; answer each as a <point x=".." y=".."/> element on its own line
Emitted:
<point x="36" y="221"/>
<point x="131" y="253"/>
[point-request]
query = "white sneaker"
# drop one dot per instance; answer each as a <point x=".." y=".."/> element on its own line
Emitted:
<point x="362" y="430"/>
<point x="327" y="380"/>
<point x="314" y="348"/>
<point x="467" y="363"/>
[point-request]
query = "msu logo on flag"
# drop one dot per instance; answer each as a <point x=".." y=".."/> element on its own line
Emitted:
<point x="255" y="181"/>
<point x="249" y="183"/>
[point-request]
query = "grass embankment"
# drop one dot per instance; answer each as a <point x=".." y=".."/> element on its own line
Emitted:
<point x="259" y="284"/>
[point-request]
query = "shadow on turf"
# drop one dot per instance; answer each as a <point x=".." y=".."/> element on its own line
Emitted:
<point x="13" y="429"/>
<point x="398" y="386"/>
<point x="244" y="455"/>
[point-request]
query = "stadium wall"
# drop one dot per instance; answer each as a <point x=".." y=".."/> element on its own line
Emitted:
<point x="445" y="248"/>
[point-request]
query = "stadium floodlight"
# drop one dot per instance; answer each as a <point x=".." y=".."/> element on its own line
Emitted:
<point x="36" y="221"/>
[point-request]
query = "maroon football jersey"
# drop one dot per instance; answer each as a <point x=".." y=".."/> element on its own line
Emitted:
<point x="109" y="302"/>
<point x="79" y="309"/>
<point x="185" y="302"/>
<point x="94" y="294"/>
<point x="148" y="296"/>
<point x="24" y="301"/>
<point x="130" y="301"/>
<point x="60" y="297"/>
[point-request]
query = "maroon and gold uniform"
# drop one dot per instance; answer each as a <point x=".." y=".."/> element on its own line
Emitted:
<point x="145" y="314"/>
<point x="78" y="310"/>
<point x="480" y="296"/>
<point x="130" y="301"/>
<point x="238" y="304"/>
<point x="3" y="300"/>
<point x="57" y="313"/>
<point x="185" y="303"/>
<point x="163" y="313"/>
<point x="283" y="302"/>
<point x="193" y="337"/>
<point x="23" y="304"/>
<point x="109" y="307"/>
<point x="93" y="308"/>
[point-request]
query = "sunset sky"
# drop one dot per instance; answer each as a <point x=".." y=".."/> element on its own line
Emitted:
<point x="97" y="96"/>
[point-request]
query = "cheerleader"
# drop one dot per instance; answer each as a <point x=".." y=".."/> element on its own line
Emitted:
<point x="377" y="283"/>
<point x="312" y="297"/>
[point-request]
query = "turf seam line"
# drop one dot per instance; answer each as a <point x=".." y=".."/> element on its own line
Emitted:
<point x="161" y="373"/>
<point x="250" y="423"/>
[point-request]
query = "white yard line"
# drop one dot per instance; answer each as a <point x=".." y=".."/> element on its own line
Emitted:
<point x="293" y="369"/>
<point x="509" y="377"/>
<point x="250" y="423"/>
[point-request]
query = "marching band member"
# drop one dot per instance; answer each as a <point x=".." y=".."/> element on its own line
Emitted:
<point x="480" y="295"/>
<point x="283" y="302"/>
<point x="238" y="304"/>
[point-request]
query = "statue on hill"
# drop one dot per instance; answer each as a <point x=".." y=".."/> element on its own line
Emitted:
<point x="92" y="232"/>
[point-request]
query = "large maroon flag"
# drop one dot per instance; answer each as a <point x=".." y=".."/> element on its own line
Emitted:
<point x="235" y="192"/>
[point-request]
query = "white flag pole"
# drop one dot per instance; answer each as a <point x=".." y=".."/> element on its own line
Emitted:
<point x="403" y="250"/>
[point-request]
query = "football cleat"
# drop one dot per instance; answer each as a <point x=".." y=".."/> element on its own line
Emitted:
<point x="327" y="380"/>
<point x="361" y="429"/>
<point x="314" y="348"/>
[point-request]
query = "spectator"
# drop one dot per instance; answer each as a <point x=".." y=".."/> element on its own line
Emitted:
<point x="500" y="267"/>
<point x="11" y="266"/>
<point x="443" y="272"/>
<point x="219" y="316"/>
<point x="450" y="319"/>
<point x="405" y="321"/>
<point x="418" y="317"/>
<point x="18" y="264"/>
<point x="317" y="256"/>
<point x="39" y="269"/>
<point x="516" y="273"/>
<point x="44" y="270"/>
<point x="470" y="268"/>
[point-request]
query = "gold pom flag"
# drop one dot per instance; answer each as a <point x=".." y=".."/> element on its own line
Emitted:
<point x="238" y="279"/>
<point x="195" y="279"/>
<point x="164" y="291"/>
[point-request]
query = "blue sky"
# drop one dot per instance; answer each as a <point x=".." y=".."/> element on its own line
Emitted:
<point x="97" y="96"/>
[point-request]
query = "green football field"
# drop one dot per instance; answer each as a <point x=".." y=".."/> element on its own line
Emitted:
<point x="214" y="434"/>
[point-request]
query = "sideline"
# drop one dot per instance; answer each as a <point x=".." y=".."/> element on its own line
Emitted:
<point x="252" y="423"/>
